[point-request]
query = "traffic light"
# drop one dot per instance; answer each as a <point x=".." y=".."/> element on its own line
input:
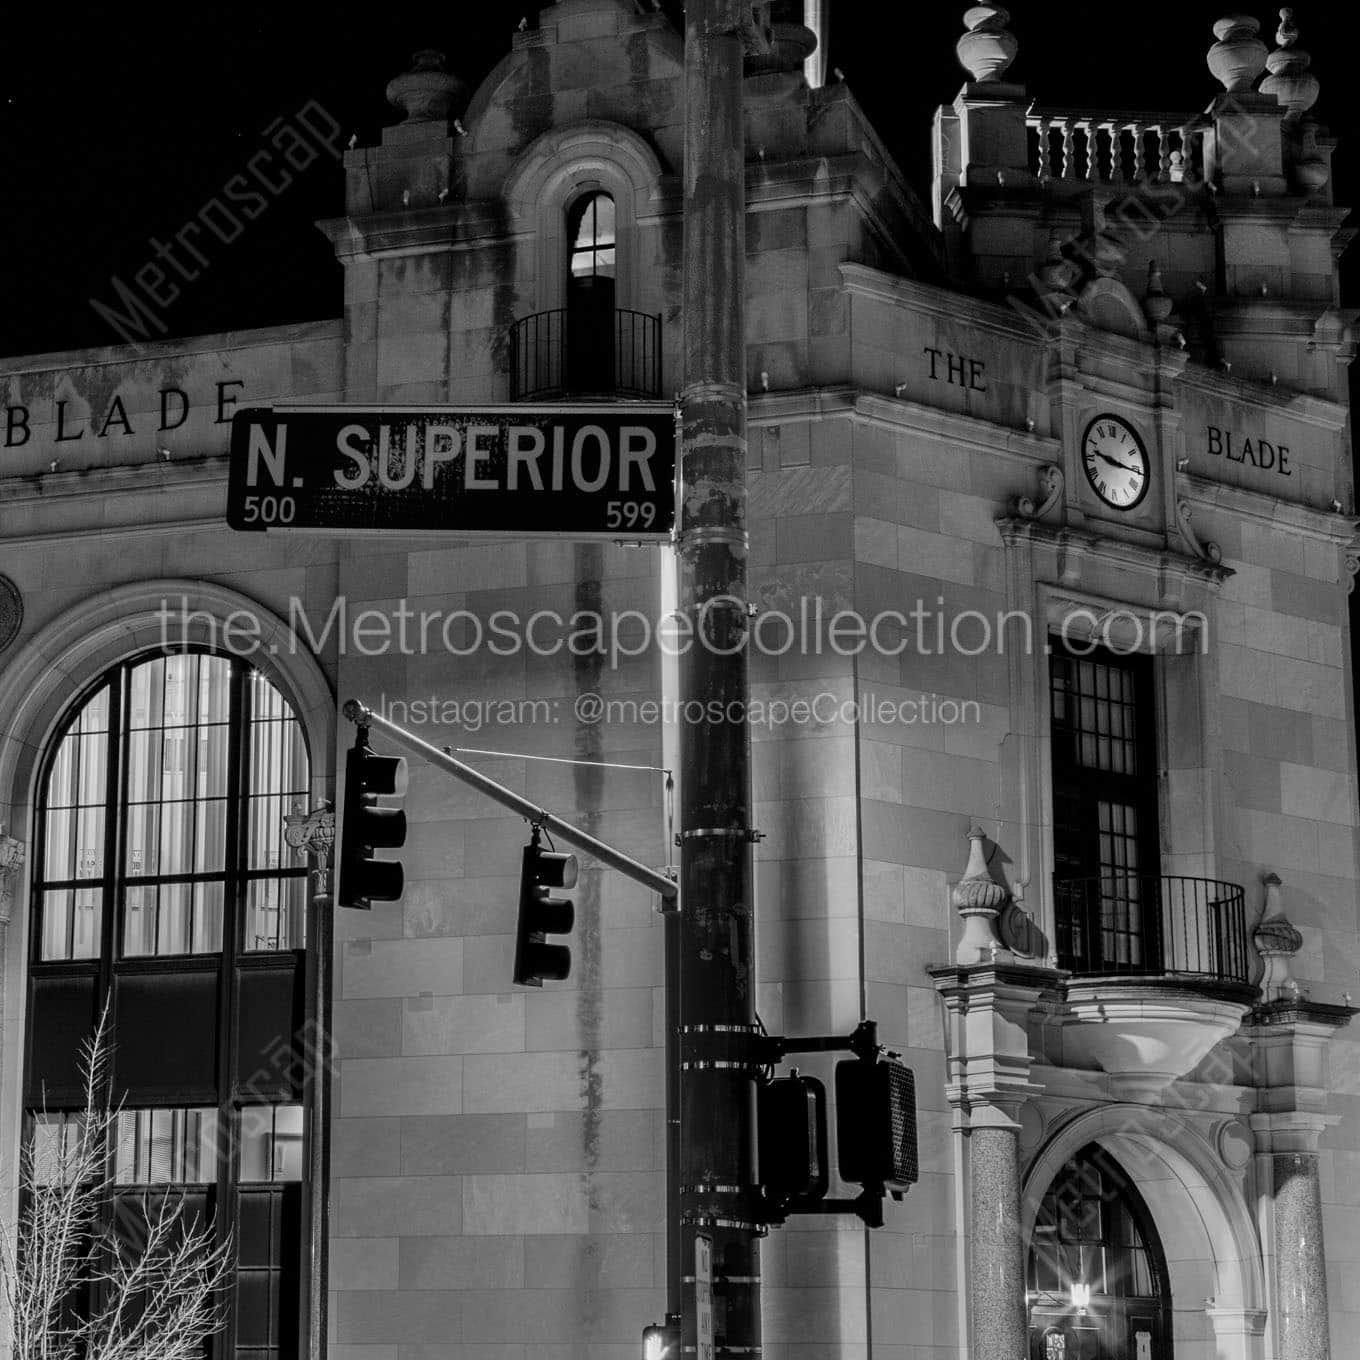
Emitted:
<point x="661" y="1341"/>
<point x="876" y="1123"/>
<point x="791" y="1128"/>
<point x="367" y="826"/>
<point x="541" y="914"/>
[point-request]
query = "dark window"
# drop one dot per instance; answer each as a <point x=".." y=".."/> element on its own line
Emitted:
<point x="590" y="295"/>
<point x="1096" y="1273"/>
<point x="164" y="889"/>
<point x="1105" y="839"/>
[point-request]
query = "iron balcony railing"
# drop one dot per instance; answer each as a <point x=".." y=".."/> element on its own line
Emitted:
<point x="561" y="353"/>
<point x="1152" y="925"/>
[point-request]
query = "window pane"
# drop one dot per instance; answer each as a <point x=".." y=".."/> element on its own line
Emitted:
<point x="271" y="1143"/>
<point x="170" y="1146"/>
<point x="173" y="919"/>
<point x="145" y="690"/>
<point x="210" y="765"/>
<point x="180" y="672"/>
<point x="56" y="924"/>
<point x="210" y="836"/>
<point x="55" y="1139"/>
<point x="59" y="858"/>
<point x="90" y="842"/>
<point x="276" y="913"/>
<point x="176" y="838"/>
<point x="143" y="757"/>
<point x="214" y="689"/>
<point x="139" y="921"/>
<point x="207" y="934"/>
<point x="71" y="921"/>
<point x="604" y="220"/>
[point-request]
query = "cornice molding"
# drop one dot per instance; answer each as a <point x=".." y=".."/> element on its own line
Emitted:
<point x="1118" y="553"/>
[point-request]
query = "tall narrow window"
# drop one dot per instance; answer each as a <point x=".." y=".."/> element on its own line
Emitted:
<point x="1105" y="837"/>
<point x="590" y="295"/>
<point x="165" y="891"/>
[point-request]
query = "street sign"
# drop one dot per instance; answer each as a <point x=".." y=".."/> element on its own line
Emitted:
<point x="703" y="1296"/>
<point x="571" y="471"/>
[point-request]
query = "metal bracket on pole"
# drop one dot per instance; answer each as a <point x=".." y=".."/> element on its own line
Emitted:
<point x="862" y="1041"/>
<point x="539" y="818"/>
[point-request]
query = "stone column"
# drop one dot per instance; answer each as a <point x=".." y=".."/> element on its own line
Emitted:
<point x="988" y="998"/>
<point x="1289" y="1034"/>
<point x="1300" y="1263"/>
<point x="997" y="1255"/>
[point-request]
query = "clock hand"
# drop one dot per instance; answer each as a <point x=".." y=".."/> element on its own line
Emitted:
<point x="1114" y="462"/>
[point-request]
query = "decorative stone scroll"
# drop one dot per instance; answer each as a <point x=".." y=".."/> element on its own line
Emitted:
<point x="1208" y="552"/>
<point x="313" y="833"/>
<point x="1051" y="483"/>
<point x="11" y="861"/>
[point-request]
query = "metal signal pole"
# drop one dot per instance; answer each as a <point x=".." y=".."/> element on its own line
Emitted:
<point x="716" y="966"/>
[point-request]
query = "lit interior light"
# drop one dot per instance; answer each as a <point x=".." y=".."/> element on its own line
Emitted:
<point x="1081" y="1296"/>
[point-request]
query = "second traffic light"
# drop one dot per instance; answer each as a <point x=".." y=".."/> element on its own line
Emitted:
<point x="367" y="826"/>
<point x="542" y="913"/>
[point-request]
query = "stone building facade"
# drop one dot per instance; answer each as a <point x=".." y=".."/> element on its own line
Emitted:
<point x="1051" y="521"/>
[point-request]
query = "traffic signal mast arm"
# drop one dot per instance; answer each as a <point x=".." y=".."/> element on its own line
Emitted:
<point x="555" y="826"/>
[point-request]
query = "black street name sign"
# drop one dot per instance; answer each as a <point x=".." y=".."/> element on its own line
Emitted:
<point x="526" y="471"/>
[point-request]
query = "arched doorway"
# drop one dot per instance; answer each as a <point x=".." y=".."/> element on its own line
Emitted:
<point x="1096" y="1276"/>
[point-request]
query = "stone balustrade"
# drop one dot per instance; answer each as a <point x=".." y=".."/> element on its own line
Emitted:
<point x="1085" y="146"/>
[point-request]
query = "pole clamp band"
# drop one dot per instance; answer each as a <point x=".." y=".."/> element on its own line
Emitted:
<point x="718" y="1048"/>
<point x="745" y="833"/>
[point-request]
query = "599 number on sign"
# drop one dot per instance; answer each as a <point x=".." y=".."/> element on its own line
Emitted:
<point x="630" y="514"/>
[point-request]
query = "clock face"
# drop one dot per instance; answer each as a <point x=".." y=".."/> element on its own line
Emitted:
<point x="1116" y="462"/>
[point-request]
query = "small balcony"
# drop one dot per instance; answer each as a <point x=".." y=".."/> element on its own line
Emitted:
<point x="576" y="355"/>
<point x="1161" y="974"/>
<point x="1145" y="925"/>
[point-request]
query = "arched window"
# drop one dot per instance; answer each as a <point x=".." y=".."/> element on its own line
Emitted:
<point x="164" y="890"/>
<point x="1097" y="1279"/>
<point x="591" y="270"/>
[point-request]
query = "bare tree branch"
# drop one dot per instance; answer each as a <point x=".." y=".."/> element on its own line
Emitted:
<point x="159" y="1298"/>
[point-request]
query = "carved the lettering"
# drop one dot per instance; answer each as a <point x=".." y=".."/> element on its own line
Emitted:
<point x="960" y="370"/>
<point x="1258" y="452"/>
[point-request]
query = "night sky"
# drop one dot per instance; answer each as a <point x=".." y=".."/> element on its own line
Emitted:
<point x="118" y="124"/>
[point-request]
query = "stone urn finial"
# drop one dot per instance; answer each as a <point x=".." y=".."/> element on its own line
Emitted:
<point x="1238" y="56"/>
<point x="1290" y="80"/>
<point x="1156" y="303"/>
<point x="979" y="899"/>
<point x="1277" y="942"/>
<point x="987" y="50"/>
<point x="427" y="92"/>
